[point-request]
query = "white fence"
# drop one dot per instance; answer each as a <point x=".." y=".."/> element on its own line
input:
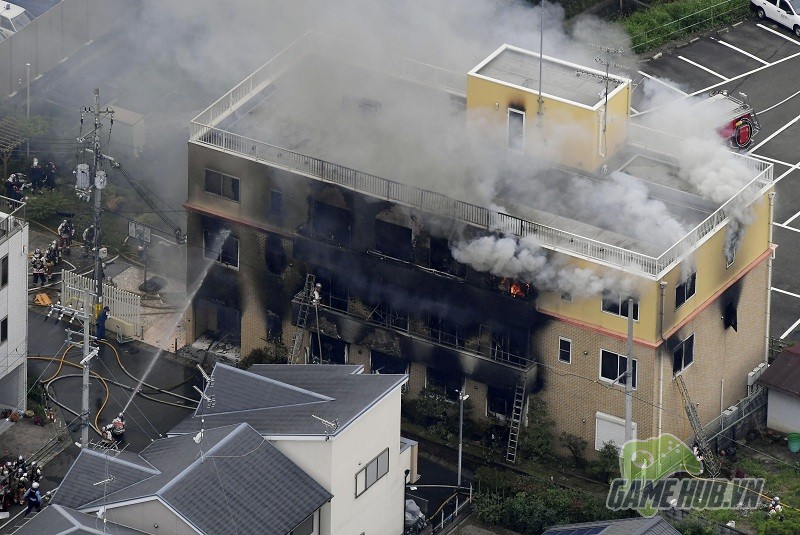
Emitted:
<point x="124" y="306"/>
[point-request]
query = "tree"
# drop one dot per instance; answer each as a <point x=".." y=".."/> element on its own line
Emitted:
<point x="606" y="466"/>
<point x="536" y="440"/>
<point x="576" y="446"/>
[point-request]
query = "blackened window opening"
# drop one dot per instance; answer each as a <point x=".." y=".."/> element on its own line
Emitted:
<point x="333" y="351"/>
<point x="509" y="345"/>
<point x="617" y="303"/>
<point x="442" y="258"/>
<point x="334" y="293"/>
<point x="387" y="364"/>
<point x="499" y="401"/>
<point x="332" y="223"/>
<point x="448" y="332"/>
<point x="275" y="202"/>
<point x="384" y="313"/>
<point x="448" y="382"/>
<point x="226" y="252"/>
<point x="683" y="355"/>
<point x="685" y="290"/>
<point x="393" y="240"/>
<point x="275" y="255"/>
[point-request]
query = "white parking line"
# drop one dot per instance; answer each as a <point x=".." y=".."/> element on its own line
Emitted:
<point x="785" y="292"/>
<point x="790" y="329"/>
<point x="748" y="54"/>
<point x="634" y="111"/>
<point x="779" y="103"/>
<point x="779" y="34"/>
<point x="775" y="133"/>
<point x="795" y="216"/>
<point x="787" y="227"/>
<point x="665" y="84"/>
<point x="690" y="62"/>
<point x="746" y="74"/>
<point x="791" y="168"/>
<point x="773" y="160"/>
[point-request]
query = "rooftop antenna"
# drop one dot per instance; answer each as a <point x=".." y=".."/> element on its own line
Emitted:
<point x="333" y="426"/>
<point x="209" y="380"/>
<point x="209" y="399"/>
<point x="540" y="101"/>
<point x="607" y="63"/>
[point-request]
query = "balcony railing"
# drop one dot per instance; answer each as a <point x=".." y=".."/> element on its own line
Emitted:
<point x="12" y="217"/>
<point x="480" y="345"/>
<point x="204" y="131"/>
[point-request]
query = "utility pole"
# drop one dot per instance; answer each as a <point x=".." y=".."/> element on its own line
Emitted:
<point x="86" y="364"/>
<point x="462" y="397"/>
<point x="28" y="106"/>
<point x="99" y="184"/>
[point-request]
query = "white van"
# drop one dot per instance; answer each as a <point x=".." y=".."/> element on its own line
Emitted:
<point x="13" y="18"/>
<point x="781" y="11"/>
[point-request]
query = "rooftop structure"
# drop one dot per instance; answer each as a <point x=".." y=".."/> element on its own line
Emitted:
<point x="269" y="115"/>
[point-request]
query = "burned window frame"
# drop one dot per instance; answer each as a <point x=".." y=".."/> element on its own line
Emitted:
<point x="380" y="242"/>
<point x="216" y="256"/>
<point x="448" y="334"/>
<point x="616" y="298"/>
<point x="685" y="290"/>
<point x="235" y="191"/>
<point x="561" y="350"/>
<point x="517" y="142"/>
<point x="338" y="236"/>
<point x="385" y="314"/>
<point x="681" y="350"/>
<point x="493" y="399"/>
<point x="275" y="202"/>
<point x="619" y="379"/>
<point x="431" y="381"/>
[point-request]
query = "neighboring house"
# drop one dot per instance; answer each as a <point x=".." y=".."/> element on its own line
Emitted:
<point x="58" y="520"/>
<point x="13" y="304"/>
<point x="224" y="480"/>
<point x="340" y="426"/>
<point x="782" y="380"/>
<point x="627" y="526"/>
<point x="352" y="181"/>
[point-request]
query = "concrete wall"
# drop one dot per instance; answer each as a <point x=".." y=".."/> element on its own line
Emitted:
<point x="14" y="306"/>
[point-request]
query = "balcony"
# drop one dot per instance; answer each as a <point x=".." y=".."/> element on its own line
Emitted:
<point x="12" y="218"/>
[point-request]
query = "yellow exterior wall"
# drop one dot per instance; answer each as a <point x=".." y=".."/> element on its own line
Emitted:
<point x="709" y="262"/>
<point x="565" y="133"/>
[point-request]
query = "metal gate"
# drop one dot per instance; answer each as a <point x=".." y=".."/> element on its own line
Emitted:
<point x="124" y="306"/>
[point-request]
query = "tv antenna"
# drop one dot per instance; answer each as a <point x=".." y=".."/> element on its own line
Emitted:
<point x="333" y="426"/>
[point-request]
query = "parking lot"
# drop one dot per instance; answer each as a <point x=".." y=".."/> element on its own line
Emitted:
<point x="762" y="60"/>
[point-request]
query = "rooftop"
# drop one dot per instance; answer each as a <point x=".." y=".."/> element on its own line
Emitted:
<point x="59" y="520"/>
<point x="628" y="526"/>
<point x="784" y="372"/>
<point x="560" y="79"/>
<point x="289" y="400"/>
<point x="191" y="478"/>
<point x="373" y="112"/>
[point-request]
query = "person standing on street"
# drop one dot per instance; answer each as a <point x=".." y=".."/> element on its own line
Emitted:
<point x="34" y="499"/>
<point x="101" y="323"/>
<point x="88" y="240"/>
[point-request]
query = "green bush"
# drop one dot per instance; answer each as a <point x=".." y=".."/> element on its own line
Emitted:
<point x="576" y="446"/>
<point x="536" y="439"/>
<point x="663" y="22"/>
<point x="43" y="205"/>
<point x="606" y="467"/>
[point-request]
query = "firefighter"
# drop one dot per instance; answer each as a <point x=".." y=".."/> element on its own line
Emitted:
<point x="5" y="491"/>
<point x="36" y="174"/>
<point x="22" y="486"/>
<point x="101" y="323"/>
<point x="88" y="240"/>
<point x="35" y="472"/>
<point x="34" y="499"/>
<point x="38" y="268"/>
<point x="50" y="175"/>
<point x="51" y="259"/>
<point x="20" y="463"/>
<point x="118" y="426"/>
<point x="65" y="233"/>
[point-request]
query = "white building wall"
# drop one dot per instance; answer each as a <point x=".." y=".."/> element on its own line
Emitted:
<point x="783" y="412"/>
<point x="335" y="463"/>
<point x="14" y="306"/>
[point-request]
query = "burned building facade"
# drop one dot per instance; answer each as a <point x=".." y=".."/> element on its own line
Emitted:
<point x="306" y="173"/>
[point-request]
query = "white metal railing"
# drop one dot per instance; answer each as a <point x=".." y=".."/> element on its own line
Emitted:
<point x="203" y="130"/>
<point x="12" y="220"/>
<point x="123" y="305"/>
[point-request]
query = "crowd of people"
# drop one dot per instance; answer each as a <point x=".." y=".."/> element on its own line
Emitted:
<point x="20" y="482"/>
<point x="39" y="177"/>
<point x="43" y="262"/>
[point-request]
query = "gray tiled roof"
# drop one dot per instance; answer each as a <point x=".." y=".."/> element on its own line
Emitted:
<point x="233" y="477"/>
<point x="92" y="466"/>
<point x="58" y="520"/>
<point x="343" y="393"/>
<point x="628" y="526"/>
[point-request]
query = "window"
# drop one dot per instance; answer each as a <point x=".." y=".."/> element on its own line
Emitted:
<point x="223" y="185"/>
<point x="448" y="382"/>
<point x="617" y="303"/>
<point x="685" y="290"/>
<point x="564" y="350"/>
<point x="4" y="272"/>
<point x="566" y="296"/>
<point x="612" y="367"/>
<point x="4" y="330"/>
<point x="275" y="202"/>
<point x="516" y="130"/>
<point x="306" y="527"/>
<point x="442" y="259"/>
<point x="683" y="355"/>
<point x="332" y="223"/>
<point x="730" y="258"/>
<point x="225" y="253"/>
<point x="370" y="474"/>
<point x="499" y="401"/>
<point x="393" y="240"/>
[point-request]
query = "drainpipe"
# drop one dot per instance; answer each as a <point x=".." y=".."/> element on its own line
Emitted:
<point x="769" y="275"/>
<point x="663" y="285"/>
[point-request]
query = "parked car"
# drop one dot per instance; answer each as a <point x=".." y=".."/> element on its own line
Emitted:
<point x="783" y="12"/>
<point x="13" y="18"/>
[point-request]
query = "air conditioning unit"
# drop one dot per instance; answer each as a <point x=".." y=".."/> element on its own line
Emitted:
<point x="730" y="410"/>
<point x="753" y="376"/>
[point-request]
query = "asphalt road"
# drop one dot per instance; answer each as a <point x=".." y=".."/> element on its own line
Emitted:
<point x="762" y="60"/>
<point x="145" y="419"/>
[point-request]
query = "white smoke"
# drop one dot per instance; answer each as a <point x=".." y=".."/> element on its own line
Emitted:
<point x="526" y="260"/>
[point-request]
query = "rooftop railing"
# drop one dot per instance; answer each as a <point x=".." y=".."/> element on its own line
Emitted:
<point x="12" y="217"/>
<point x="204" y="130"/>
